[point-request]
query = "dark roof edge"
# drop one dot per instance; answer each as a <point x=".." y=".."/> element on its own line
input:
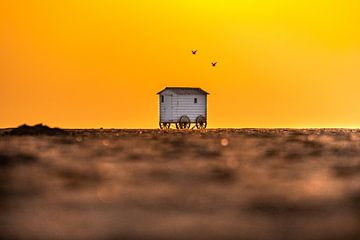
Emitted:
<point x="195" y="88"/>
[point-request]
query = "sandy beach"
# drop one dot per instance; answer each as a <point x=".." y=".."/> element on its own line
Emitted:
<point x="208" y="184"/>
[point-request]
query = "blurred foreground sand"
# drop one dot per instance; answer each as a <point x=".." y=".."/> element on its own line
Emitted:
<point x="152" y="184"/>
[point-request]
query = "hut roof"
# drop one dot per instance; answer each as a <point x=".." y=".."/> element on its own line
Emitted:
<point x="185" y="90"/>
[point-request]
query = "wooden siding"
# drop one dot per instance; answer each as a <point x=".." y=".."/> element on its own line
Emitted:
<point x="164" y="115"/>
<point x="182" y="105"/>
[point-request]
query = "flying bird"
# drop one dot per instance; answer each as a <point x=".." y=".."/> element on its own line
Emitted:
<point x="214" y="64"/>
<point x="194" y="51"/>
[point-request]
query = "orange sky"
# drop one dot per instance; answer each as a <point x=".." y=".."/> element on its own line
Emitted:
<point x="92" y="63"/>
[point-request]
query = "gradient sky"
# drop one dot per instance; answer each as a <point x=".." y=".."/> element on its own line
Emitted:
<point x="99" y="63"/>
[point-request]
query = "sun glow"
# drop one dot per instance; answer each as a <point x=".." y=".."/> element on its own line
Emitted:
<point x="99" y="63"/>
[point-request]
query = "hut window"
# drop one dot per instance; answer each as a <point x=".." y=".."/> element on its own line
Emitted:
<point x="162" y="98"/>
<point x="195" y="100"/>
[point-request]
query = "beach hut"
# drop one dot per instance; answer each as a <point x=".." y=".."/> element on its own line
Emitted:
<point x="182" y="106"/>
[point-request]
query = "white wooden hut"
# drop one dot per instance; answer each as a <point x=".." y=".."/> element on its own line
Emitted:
<point x="182" y="106"/>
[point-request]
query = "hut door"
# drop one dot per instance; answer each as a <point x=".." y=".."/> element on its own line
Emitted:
<point x="168" y="108"/>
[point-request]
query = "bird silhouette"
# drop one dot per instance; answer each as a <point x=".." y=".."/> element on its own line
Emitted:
<point x="194" y="51"/>
<point x="214" y="64"/>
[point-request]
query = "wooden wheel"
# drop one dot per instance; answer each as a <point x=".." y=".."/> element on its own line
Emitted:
<point x="184" y="122"/>
<point x="201" y="122"/>
<point x="164" y="125"/>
